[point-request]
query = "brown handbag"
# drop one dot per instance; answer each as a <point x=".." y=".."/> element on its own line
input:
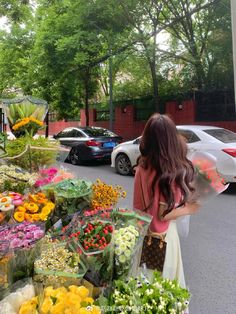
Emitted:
<point x="154" y="247"/>
<point x="153" y="252"/>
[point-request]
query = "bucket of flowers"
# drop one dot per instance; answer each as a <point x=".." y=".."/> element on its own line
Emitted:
<point x="23" y="242"/>
<point x="94" y="240"/>
<point x="70" y="196"/>
<point x="35" y="208"/>
<point x="58" y="264"/>
<point x="8" y="202"/>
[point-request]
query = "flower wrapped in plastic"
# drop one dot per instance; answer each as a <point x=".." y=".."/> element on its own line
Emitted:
<point x="23" y="240"/>
<point x="8" y="202"/>
<point x="6" y="263"/>
<point x="25" y="115"/>
<point x="94" y="240"/>
<point x="74" y="299"/>
<point x="34" y="208"/>
<point x="131" y="226"/>
<point x="58" y="264"/>
<point x="52" y="175"/>
<point x="14" y="178"/>
<point x="18" y="293"/>
<point x="207" y="182"/>
<point x="70" y="196"/>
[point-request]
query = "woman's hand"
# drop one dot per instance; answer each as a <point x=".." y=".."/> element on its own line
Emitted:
<point x="192" y="207"/>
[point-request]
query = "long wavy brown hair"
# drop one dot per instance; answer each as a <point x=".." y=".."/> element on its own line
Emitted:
<point x="163" y="150"/>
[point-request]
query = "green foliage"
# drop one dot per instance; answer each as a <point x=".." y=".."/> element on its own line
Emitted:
<point x="32" y="158"/>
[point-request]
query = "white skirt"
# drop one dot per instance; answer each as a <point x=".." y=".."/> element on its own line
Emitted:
<point x="173" y="265"/>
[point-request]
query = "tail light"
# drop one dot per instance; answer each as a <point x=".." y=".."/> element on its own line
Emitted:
<point x="230" y="151"/>
<point x="93" y="143"/>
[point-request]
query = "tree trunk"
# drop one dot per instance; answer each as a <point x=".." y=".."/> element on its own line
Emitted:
<point x="86" y="86"/>
<point x="154" y="85"/>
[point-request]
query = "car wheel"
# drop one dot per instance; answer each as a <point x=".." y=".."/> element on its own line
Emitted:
<point x="123" y="165"/>
<point x="73" y="157"/>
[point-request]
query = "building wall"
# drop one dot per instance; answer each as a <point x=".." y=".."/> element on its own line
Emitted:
<point x="126" y="125"/>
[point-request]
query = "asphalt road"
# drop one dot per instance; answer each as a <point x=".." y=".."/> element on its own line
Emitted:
<point x="209" y="251"/>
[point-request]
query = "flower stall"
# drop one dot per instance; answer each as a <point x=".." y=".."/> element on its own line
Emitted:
<point x="65" y="245"/>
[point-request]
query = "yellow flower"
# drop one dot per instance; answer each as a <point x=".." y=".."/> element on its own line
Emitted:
<point x="72" y="299"/>
<point x="46" y="306"/>
<point x="58" y="308"/>
<point x="43" y="217"/>
<point x="21" y="209"/>
<point x="29" y="307"/>
<point x="36" y="217"/>
<point x="32" y="207"/>
<point x="89" y="300"/>
<point x="82" y="291"/>
<point x="19" y="216"/>
<point x="48" y="291"/>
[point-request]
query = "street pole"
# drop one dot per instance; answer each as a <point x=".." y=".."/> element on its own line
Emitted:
<point x="110" y="93"/>
<point x="233" y="21"/>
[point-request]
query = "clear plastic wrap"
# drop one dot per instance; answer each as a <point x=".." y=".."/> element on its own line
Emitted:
<point x="207" y="182"/>
<point x="58" y="265"/>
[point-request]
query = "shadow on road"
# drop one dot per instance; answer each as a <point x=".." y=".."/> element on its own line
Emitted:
<point x="231" y="189"/>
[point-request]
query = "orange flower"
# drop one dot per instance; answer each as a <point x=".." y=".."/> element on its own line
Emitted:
<point x="33" y="198"/>
<point x="19" y="216"/>
<point x="28" y="217"/>
<point x="2" y="216"/>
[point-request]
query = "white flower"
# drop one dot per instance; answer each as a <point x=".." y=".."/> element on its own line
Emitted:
<point x="118" y="251"/>
<point x="149" y="291"/>
<point x="122" y="259"/>
<point x="127" y="253"/>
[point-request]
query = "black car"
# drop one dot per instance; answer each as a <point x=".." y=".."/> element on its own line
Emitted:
<point x="88" y="143"/>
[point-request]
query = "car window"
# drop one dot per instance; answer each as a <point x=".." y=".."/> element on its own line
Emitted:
<point x="77" y="133"/>
<point x="65" y="133"/>
<point x="190" y="136"/>
<point x="223" y="135"/>
<point x="96" y="132"/>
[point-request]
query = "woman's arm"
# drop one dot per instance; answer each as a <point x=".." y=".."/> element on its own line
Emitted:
<point x="187" y="209"/>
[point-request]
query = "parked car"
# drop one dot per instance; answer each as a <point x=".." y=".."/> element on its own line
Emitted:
<point x="88" y="143"/>
<point x="219" y="142"/>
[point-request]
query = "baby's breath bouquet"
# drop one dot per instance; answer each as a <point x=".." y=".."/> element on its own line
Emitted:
<point x="138" y="295"/>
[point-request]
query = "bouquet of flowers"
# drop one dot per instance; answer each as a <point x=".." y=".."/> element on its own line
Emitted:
<point x="74" y="299"/>
<point x="20" y="292"/>
<point x="207" y="182"/>
<point x="94" y="240"/>
<point x="8" y="201"/>
<point x="70" y="196"/>
<point x="36" y="207"/>
<point x="141" y="296"/>
<point x="105" y="196"/>
<point x="13" y="178"/>
<point x="52" y="175"/>
<point x="58" y="264"/>
<point x="22" y="240"/>
<point x="25" y="115"/>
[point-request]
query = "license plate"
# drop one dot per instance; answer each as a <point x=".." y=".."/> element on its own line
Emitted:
<point x="109" y="144"/>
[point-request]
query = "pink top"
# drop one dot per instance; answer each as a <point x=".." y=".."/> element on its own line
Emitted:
<point x="145" y="177"/>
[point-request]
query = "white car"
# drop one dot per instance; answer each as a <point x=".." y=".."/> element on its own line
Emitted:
<point x="219" y="142"/>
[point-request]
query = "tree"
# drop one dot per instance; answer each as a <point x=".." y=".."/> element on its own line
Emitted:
<point x="195" y="37"/>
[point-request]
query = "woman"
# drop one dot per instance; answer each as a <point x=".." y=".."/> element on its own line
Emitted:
<point x="162" y="186"/>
